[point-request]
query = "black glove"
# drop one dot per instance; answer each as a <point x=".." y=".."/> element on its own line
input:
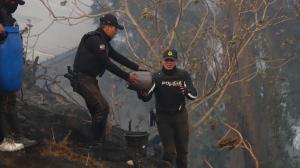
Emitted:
<point x="183" y="90"/>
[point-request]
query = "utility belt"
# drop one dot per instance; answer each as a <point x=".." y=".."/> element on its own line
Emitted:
<point x="179" y="117"/>
<point x="171" y="112"/>
<point x="154" y="113"/>
<point x="76" y="78"/>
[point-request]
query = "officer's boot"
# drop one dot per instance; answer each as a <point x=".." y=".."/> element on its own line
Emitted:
<point x="181" y="161"/>
<point x="99" y="127"/>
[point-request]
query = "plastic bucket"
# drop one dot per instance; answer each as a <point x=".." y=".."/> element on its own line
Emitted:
<point x="11" y="61"/>
<point x="144" y="81"/>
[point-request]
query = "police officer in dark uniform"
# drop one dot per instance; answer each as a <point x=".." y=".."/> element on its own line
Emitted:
<point x="171" y="86"/>
<point x="93" y="57"/>
<point x="8" y="100"/>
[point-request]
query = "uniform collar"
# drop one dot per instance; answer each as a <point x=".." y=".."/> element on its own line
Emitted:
<point x="169" y="72"/>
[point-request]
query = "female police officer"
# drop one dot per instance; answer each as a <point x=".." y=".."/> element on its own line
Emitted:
<point x="171" y="86"/>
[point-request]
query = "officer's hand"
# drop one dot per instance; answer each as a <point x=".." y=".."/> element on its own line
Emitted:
<point x="2" y="30"/>
<point x="142" y="68"/>
<point x="132" y="78"/>
<point x="143" y="93"/>
<point x="183" y="90"/>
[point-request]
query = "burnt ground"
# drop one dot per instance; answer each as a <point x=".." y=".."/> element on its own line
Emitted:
<point x="63" y="132"/>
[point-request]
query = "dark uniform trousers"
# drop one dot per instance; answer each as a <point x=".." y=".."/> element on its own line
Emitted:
<point x="98" y="107"/>
<point x="174" y="133"/>
<point x="8" y="113"/>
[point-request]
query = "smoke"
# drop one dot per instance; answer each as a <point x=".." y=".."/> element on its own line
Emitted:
<point x="296" y="139"/>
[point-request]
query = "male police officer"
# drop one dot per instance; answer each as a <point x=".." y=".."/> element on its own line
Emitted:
<point x="92" y="59"/>
<point x="171" y="86"/>
<point x="8" y="100"/>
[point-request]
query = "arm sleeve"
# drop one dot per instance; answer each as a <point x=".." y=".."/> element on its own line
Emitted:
<point x="117" y="71"/>
<point x="191" y="91"/>
<point x="93" y="43"/>
<point x="122" y="59"/>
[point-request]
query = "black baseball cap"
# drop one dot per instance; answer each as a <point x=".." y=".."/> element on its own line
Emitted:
<point x="170" y="54"/>
<point x="20" y="2"/>
<point x="110" y="19"/>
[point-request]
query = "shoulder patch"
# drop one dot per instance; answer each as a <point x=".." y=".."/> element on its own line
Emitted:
<point x="102" y="46"/>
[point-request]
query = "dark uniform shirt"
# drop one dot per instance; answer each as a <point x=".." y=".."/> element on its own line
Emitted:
<point x="166" y="87"/>
<point x="6" y="11"/>
<point x="94" y="53"/>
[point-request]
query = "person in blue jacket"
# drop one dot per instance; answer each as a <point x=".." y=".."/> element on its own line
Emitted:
<point x="8" y="100"/>
<point x="171" y="86"/>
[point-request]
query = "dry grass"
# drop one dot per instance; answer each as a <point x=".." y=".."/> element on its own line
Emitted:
<point x="63" y="150"/>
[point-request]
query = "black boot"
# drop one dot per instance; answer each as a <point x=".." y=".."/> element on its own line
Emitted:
<point x="99" y="127"/>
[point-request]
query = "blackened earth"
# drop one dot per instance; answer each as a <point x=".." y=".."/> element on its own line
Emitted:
<point x="63" y="132"/>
